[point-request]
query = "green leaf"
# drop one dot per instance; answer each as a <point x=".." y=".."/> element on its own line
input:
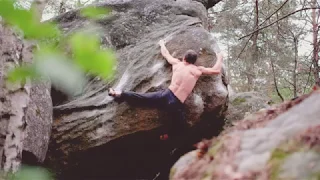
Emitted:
<point x="27" y="21"/>
<point x="20" y="73"/>
<point x="43" y="30"/>
<point x="6" y="8"/>
<point x="89" y="57"/>
<point x="64" y="75"/>
<point x="95" y="12"/>
<point x="46" y="50"/>
<point x="102" y="64"/>
<point x="31" y="173"/>
<point x="84" y="42"/>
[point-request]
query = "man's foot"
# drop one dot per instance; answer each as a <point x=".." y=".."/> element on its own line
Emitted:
<point x="164" y="137"/>
<point x="114" y="93"/>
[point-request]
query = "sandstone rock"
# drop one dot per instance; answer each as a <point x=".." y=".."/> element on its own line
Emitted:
<point x="244" y="103"/>
<point x="94" y="120"/>
<point x="281" y="142"/>
<point x="39" y="121"/>
<point x="209" y="3"/>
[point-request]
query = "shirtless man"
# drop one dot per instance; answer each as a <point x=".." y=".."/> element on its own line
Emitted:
<point x="184" y="78"/>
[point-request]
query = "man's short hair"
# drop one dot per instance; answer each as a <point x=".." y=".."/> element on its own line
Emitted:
<point x="191" y="56"/>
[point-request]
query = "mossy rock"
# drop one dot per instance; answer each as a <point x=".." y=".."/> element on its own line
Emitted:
<point x="172" y="172"/>
<point x="277" y="158"/>
<point x="278" y="143"/>
<point x="237" y="101"/>
<point x="244" y="103"/>
<point x="292" y="156"/>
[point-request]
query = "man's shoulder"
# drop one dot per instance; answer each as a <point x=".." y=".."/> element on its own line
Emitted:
<point x="197" y="67"/>
<point x="179" y="63"/>
<point x="198" y="70"/>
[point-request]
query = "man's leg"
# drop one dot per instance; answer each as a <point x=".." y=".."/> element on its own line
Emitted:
<point x="153" y="99"/>
<point x="179" y="124"/>
<point x="176" y="124"/>
<point x="179" y="131"/>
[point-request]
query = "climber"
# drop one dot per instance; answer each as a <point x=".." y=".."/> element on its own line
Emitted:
<point x="184" y="77"/>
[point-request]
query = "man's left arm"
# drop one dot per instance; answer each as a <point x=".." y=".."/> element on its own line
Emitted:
<point x="165" y="53"/>
<point x="216" y="69"/>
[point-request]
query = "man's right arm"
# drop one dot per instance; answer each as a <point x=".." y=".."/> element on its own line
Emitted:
<point x="165" y="53"/>
<point x="216" y="69"/>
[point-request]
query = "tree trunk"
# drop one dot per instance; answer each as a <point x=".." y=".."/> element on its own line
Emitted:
<point x="14" y="100"/>
<point x="254" y="56"/>
<point x="228" y="63"/>
<point x="294" y="75"/>
<point x="275" y="81"/>
<point x="273" y="71"/>
<point x="315" y="57"/>
<point x="25" y="110"/>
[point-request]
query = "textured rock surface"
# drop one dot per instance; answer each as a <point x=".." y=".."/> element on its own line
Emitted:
<point x="245" y="103"/>
<point x="280" y="142"/>
<point x="14" y="100"/>
<point x="25" y="110"/>
<point x="39" y="121"/>
<point x="209" y="3"/>
<point x="133" y="30"/>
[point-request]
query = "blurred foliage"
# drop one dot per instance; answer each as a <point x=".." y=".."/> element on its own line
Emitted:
<point x="30" y="173"/>
<point x="66" y="70"/>
<point x="26" y="21"/>
<point x="94" y="12"/>
<point x="86" y="47"/>
<point x="20" y="73"/>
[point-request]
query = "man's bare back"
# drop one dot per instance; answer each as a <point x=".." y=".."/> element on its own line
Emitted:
<point x="185" y="75"/>
<point x="184" y="78"/>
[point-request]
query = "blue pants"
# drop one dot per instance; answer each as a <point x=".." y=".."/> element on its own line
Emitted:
<point x="164" y="100"/>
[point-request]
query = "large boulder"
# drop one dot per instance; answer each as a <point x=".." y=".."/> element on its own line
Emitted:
<point x="93" y="129"/>
<point x="245" y="103"/>
<point x="280" y="142"/>
<point x="208" y="3"/>
<point x="25" y="108"/>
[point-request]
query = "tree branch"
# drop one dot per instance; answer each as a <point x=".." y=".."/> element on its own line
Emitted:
<point x="259" y="26"/>
<point x="309" y="75"/>
<point x="275" y="81"/>
<point x="285" y="79"/>
<point x="303" y="9"/>
<point x="273" y="13"/>
<point x="244" y="47"/>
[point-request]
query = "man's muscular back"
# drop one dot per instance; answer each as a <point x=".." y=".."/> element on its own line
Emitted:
<point x="185" y="73"/>
<point x="184" y="78"/>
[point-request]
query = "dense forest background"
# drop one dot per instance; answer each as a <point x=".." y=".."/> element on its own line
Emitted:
<point x="270" y="46"/>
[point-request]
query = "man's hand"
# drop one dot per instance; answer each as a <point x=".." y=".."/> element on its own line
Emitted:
<point x="161" y="42"/>
<point x="165" y="53"/>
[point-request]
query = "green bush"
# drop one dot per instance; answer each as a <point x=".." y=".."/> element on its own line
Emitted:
<point x="66" y="71"/>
